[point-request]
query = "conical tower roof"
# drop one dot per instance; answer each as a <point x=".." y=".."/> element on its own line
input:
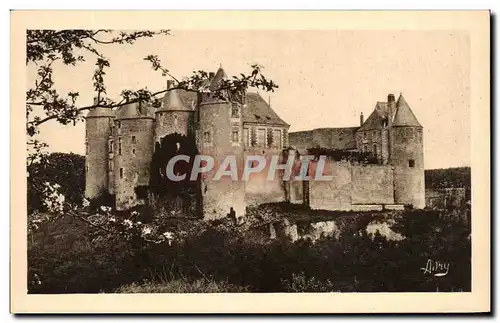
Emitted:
<point x="100" y="112"/>
<point x="134" y="111"/>
<point x="172" y="102"/>
<point x="218" y="78"/>
<point x="404" y="115"/>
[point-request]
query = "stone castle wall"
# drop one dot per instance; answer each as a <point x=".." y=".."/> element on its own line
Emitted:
<point x="96" y="157"/>
<point x="352" y="185"/>
<point x="133" y="151"/>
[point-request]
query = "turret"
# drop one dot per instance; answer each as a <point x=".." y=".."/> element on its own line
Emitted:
<point x="174" y="116"/>
<point x="98" y="124"/>
<point x="407" y="156"/>
<point x="133" y="149"/>
<point x="220" y="135"/>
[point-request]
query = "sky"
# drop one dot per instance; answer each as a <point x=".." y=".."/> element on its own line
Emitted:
<point x="326" y="78"/>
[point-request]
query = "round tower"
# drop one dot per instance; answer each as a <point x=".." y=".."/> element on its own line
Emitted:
<point x="98" y="125"/>
<point x="173" y="116"/>
<point x="220" y="136"/>
<point x="133" y="134"/>
<point x="407" y="155"/>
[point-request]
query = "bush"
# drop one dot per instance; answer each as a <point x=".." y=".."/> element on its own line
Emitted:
<point x="222" y="256"/>
<point x="67" y="170"/>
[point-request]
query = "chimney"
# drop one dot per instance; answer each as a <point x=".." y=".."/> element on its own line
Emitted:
<point x="361" y="119"/>
<point x="170" y="84"/>
<point x="391" y="108"/>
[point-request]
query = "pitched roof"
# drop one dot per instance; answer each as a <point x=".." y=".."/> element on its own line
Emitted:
<point x="376" y="118"/>
<point x="257" y="110"/>
<point x="404" y="115"/>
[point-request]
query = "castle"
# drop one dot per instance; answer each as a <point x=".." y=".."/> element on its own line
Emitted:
<point x="122" y="145"/>
<point x="393" y="136"/>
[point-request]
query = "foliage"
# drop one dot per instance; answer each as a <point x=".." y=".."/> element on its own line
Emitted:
<point x="448" y="178"/>
<point x="221" y="251"/>
<point x="67" y="170"/>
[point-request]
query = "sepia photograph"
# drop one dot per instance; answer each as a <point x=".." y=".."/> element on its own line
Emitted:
<point x="252" y="161"/>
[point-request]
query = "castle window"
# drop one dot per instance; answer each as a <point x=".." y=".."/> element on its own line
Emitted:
<point x="235" y="111"/>
<point x="277" y="138"/>
<point x="133" y="151"/>
<point x="110" y="146"/>
<point x="86" y="148"/>
<point x="110" y="165"/>
<point x="121" y="172"/>
<point x="261" y="137"/>
<point x="207" y="136"/>
<point x="119" y="145"/>
<point x="246" y="137"/>
<point x="365" y="149"/>
<point x="411" y="163"/>
<point x="364" y="135"/>
<point x="375" y="151"/>
<point x="134" y="140"/>
<point x="175" y="120"/>
<point x="235" y="136"/>
<point x="119" y="124"/>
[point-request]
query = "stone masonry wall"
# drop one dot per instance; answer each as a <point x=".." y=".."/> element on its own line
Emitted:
<point x="372" y="184"/>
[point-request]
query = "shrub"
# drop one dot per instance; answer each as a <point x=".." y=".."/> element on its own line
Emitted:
<point x="221" y="256"/>
<point x="67" y="170"/>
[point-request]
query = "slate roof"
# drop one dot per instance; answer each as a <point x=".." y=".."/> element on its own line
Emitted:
<point x="376" y="118"/>
<point x="132" y="111"/>
<point x="404" y="115"/>
<point x="100" y="112"/>
<point x="257" y="110"/>
<point x="219" y="76"/>
<point x="172" y="101"/>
